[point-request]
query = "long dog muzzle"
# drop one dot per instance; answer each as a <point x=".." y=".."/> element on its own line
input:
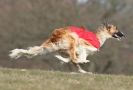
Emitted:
<point x="118" y="35"/>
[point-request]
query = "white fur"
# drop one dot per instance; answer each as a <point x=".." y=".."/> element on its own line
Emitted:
<point x="32" y="51"/>
<point x="73" y="34"/>
<point x="63" y="44"/>
<point x="82" y="51"/>
<point x="66" y="60"/>
<point x="82" y="54"/>
<point x="103" y="36"/>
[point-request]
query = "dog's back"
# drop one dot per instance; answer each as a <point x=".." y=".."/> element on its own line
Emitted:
<point x="59" y="39"/>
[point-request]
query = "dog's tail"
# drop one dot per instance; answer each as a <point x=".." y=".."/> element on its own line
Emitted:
<point x="33" y="51"/>
<point x="30" y="52"/>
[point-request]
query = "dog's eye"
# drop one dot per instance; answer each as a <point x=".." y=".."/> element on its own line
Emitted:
<point x="108" y="27"/>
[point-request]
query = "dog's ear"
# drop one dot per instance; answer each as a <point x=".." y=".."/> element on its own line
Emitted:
<point x="106" y="24"/>
<point x="108" y="27"/>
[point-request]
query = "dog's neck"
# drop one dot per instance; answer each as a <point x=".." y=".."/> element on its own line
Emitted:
<point x="102" y="35"/>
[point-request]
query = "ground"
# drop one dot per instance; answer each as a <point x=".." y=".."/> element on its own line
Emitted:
<point x="21" y="79"/>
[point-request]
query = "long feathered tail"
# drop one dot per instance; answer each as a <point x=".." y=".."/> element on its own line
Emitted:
<point x="30" y="52"/>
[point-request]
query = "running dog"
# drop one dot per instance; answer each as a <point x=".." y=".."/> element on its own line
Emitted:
<point x="77" y="42"/>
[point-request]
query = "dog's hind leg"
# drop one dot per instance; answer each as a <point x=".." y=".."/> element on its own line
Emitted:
<point x="72" y="52"/>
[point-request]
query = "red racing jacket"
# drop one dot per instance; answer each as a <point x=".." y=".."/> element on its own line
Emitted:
<point x="89" y="36"/>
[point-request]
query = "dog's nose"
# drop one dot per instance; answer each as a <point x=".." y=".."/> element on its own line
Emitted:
<point x="120" y="34"/>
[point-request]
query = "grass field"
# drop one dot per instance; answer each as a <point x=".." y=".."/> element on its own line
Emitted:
<point x="16" y="79"/>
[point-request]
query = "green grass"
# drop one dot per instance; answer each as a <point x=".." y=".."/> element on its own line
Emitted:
<point x="16" y="79"/>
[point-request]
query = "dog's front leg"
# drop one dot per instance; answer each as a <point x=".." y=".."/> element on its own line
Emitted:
<point x="80" y="69"/>
<point x="82" y="55"/>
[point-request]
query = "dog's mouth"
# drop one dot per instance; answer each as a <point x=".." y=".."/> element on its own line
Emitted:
<point x="118" y="35"/>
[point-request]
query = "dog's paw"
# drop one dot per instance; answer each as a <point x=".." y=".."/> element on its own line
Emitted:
<point x="85" y="72"/>
<point x="86" y="61"/>
<point x="82" y="71"/>
<point x="83" y="61"/>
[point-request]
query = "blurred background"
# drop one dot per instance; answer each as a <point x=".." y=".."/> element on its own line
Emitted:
<point x="25" y="23"/>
